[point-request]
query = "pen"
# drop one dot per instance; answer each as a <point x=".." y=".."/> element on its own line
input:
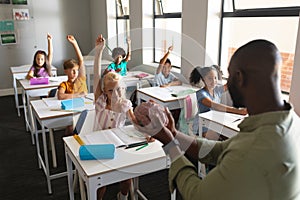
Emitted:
<point x="142" y="147"/>
<point x="135" y="144"/>
<point x="89" y="98"/>
<point x="78" y="139"/>
<point x="236" y="120"/>
<point x="123" y="145"/>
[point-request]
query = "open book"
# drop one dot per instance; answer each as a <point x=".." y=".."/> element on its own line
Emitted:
<point x="117" y="136"/>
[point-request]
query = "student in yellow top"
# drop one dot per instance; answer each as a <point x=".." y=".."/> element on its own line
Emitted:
<point x="75" y="86"/>
<point x="163" y="76"/>
<point x="42" y="61"/>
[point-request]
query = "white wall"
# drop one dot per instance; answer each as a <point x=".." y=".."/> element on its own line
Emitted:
<point x="56" y="17"/>
<point x="136" y="34"/>
<point x="200" y="30"/>
<point x="62" y="17"/>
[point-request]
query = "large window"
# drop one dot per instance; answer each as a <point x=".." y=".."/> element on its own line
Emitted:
<point x="167" y="29"/>
<point x="276" y="21"/>
<point x="122" y="22"/>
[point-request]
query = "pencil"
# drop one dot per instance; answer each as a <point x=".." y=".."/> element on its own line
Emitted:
<point x="142" y="147"/>
<point x="78" y="139"/>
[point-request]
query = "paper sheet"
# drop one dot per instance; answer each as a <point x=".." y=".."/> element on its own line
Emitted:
<point x="117" y="136"/>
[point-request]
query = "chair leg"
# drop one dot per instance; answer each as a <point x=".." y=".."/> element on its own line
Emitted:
<point x="132" y="192"/>
<point x="52" y="148"/>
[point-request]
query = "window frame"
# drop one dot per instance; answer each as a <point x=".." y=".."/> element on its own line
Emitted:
<point x="253" y="12"/>
<point x="119" y="17"/>
<point x="162" y="16"/>
<point x="256" y="12"/>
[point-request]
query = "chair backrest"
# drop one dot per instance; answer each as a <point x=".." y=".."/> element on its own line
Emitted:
<point x="52" y="93"/>
<point x="84" y="123"/>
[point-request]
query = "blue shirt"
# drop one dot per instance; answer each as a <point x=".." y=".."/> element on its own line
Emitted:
<point x="122" y="66"/>
<point x="160" y="79"/>
<point x="202" y="94"/>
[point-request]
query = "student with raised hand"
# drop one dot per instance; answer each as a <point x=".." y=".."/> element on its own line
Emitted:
<point x="263" y="160"/>
<point x="163" y="76"/>
<point x="111" y="106"/>
<point x="42" y="62"/>
<point x="209" y="97"/>
<point x="75" y="86"/>
<point x="120" y="60"/>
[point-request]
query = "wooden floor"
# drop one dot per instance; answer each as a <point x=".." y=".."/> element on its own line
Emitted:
<point x="20" y="177"/>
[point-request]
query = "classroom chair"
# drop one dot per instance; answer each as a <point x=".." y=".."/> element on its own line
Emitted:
<point x="52" y="93"/>
<point x="188" y="113"/>
<point x="84" y="123"/>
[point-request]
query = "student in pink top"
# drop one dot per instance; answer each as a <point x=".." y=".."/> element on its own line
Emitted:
<point x="42" y="61"/>
<point x="111" y="106"/>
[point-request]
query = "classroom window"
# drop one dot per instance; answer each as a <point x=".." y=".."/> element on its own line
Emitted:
<point x="122" y="22"/>
<point x="275" y="21"/>
<point x="167" y="29"/>
<point x="122" y="7"/>
<point x="230" y="5"/>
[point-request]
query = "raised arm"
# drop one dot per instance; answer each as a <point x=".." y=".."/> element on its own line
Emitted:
<point x="128" y="55"/>
<point x="163" y="60"/>
<point x="50" y="52"/>
<point x="100" y="45"/>
<point x="73" y="41"/>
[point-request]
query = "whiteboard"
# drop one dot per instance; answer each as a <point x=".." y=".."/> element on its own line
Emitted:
<point x="295" y="91"/>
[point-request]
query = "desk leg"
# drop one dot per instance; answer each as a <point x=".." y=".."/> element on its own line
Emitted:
<point x="30" y="119"/>
<point x="70" y="175"/>
<point x="173" y="195"/>
<point x="47" y="171"/>
<point x="37" y="144"/>
<point x="88" y="80"/>
<point x="201" y="167"/>
<point x="16" y="94"/>
<point x="92" y="191"/>
<point x="25" y="109"/>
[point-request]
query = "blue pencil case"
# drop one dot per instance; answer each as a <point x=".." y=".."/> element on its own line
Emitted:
<point x="97" y="152"/>
<point x="72" y="103"/>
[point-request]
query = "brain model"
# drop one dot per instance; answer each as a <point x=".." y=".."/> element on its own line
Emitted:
<point x="147" y="111"/>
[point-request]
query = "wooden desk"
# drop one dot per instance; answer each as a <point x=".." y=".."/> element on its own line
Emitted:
<point x="51" y="119"/>
<point x="36" y="91"/>
<point x="20" y="72"/>
<point x="221" y="122"/>
<point x="163" y="96"/>
<point x="131" y="79"/>
<point x="127" y="164"/>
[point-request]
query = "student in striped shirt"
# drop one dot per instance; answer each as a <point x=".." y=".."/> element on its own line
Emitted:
<point x="111" y="106"/>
